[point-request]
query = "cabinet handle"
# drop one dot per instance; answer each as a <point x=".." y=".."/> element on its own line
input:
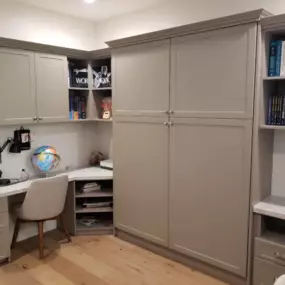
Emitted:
<point x="166" y="112"/>
<point x="166" y="123"/>
<point x="279" y="256"/>
<point x="35" y="118"/>
<point x="40" y="118"/>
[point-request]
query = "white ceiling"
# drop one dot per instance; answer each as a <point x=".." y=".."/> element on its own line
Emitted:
<point x="98" y="11"/>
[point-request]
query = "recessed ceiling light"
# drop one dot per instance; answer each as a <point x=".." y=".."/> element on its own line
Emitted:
<point x="90" y="1"/>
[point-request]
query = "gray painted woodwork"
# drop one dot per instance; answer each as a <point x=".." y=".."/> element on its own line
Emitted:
<point x="141" y="79"/>
<point x="207" y="80"/>
<point x="141" y="177"/>
<point x="210" y="189"/>
<point x="17" y="87"/>
<point x="4" y="230"/>
<point x="52" y="88"/>
<point x="194" y="28"/>
<point x="266" y="272"/>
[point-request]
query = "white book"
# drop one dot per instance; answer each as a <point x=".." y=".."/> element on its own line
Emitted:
<point x="88" y="190"/>
<point x="282" y="64"/>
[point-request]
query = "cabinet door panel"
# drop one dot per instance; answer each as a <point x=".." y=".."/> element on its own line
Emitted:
<point x="140" y="177"/>
<point x="210" y="189"/>
<point x="141" y="79"/>
<point x="52" y="88"/>
<point x="212" y="73"/>
<point x="17" y="87"/>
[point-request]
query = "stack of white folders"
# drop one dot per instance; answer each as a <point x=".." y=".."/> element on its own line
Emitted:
<point x="91" y="187"/>
<point x="97" y="204"/>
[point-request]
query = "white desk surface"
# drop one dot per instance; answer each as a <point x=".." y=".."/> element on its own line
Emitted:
<point x="92" y="173"/>
<point x="272" y="206"/>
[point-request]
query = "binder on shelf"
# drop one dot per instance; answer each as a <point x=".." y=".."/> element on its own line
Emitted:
<point x="272" y="59"/>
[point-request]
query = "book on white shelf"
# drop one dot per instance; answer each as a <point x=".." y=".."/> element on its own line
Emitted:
<point x="91" y="187"/>
<point x="97" y="205"/>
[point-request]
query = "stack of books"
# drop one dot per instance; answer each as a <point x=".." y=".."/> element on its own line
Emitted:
<point x="277" y="58"/>
<point x="91" y="187"/>
<point x="98" y="205"/>
<point x="77" y="107"/>
<point x="276" y="110"/>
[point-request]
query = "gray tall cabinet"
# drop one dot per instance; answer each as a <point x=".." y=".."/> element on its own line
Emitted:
<point x="183" y="109"/>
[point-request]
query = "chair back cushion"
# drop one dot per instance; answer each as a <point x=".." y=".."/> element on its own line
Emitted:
<point x="45" y="199"/>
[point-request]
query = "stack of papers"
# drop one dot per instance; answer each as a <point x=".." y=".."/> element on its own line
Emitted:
<point x="91" y="187"/>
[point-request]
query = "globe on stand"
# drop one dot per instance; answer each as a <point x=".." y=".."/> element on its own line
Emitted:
<point x="45" y="159"/>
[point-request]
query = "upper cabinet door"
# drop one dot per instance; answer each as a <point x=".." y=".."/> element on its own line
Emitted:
<point x="213" y="73"/>
<point x="210" y="190"/>
<point x="141" y="177"/>
<point x="52" y="88"/>
<point x="17" y="87"/>
<point x="141" y="79"/>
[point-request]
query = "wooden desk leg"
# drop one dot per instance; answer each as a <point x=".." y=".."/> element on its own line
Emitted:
<point x="41" y="239"/>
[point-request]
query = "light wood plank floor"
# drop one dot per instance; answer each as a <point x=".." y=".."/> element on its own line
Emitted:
<point x="95" y="261"/>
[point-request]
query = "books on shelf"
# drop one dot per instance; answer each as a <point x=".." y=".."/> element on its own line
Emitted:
<point x="91" y="187"/>
<point x="77" y="107"/>
<point x="98" y="205"/>
<point x="276" y="110"/>
<point x="78" y="76"/>
<point x="276" y="58"/>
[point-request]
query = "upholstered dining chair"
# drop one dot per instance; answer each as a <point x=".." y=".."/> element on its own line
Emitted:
<point x="44" y="201"/>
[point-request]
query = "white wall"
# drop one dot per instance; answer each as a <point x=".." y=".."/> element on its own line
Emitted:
<point x="175" y="13"/>
<point x="74" y="142"/>
<point x="27" y="23"/>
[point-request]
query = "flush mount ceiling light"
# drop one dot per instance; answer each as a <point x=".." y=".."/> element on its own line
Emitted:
<point x="90" y="1"/>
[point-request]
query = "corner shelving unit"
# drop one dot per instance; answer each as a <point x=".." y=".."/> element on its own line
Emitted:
<point x="82" y="88"/>
<point x="76" y="211"/>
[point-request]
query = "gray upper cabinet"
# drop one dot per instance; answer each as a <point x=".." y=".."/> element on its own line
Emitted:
<point x="52" y="88"/>
<point x="141" y="177"/>
<point x="17" y="87"/>
<point x="141" y="79"/>
<point x="212" y="73"/>
<point x="210" y="189"/>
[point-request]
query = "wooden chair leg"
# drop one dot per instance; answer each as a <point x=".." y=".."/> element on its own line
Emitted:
<point x="16" y="232"/>
<point x="64" y="228"/>
<point x="41" y="239"/>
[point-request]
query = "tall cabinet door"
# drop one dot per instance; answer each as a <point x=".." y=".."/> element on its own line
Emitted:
<point x="141" y="79"/>
<point x="141" y="177"/>
<point x="52" y="88"/>
<point x="212" y="73"/>
<point x="17" y="87"/>
<point x="210" y="190"/>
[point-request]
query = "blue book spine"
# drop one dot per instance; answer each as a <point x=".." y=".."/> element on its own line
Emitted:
<point x="283" y="110"/>
<point x="70" y="108"/>
<point x="269" y="116"/>
<point x="272" y="59"/>
<point x="278" y="57"/>
<point x="273" y="115"/>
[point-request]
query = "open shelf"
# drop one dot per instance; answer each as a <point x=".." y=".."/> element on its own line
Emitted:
<point x="274" y="78"/>
<point x="272" y="127"/>
<point x="104" y="193"/>
<point x="103" y="120"/>
<point x="102" y="88"/>
<point x="94" y="210"/>
<point x="78" y="88"/>
<point x="104" y="227"/>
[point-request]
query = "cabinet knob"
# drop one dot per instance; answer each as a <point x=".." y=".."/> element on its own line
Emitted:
<point x="166" y="123"/>
<point x="170" y="124"/>
<point x="35" y="118"/>
<point x="171" y="112"/>
<point x="40" y="118"/>
<point x="166" y="112"/>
